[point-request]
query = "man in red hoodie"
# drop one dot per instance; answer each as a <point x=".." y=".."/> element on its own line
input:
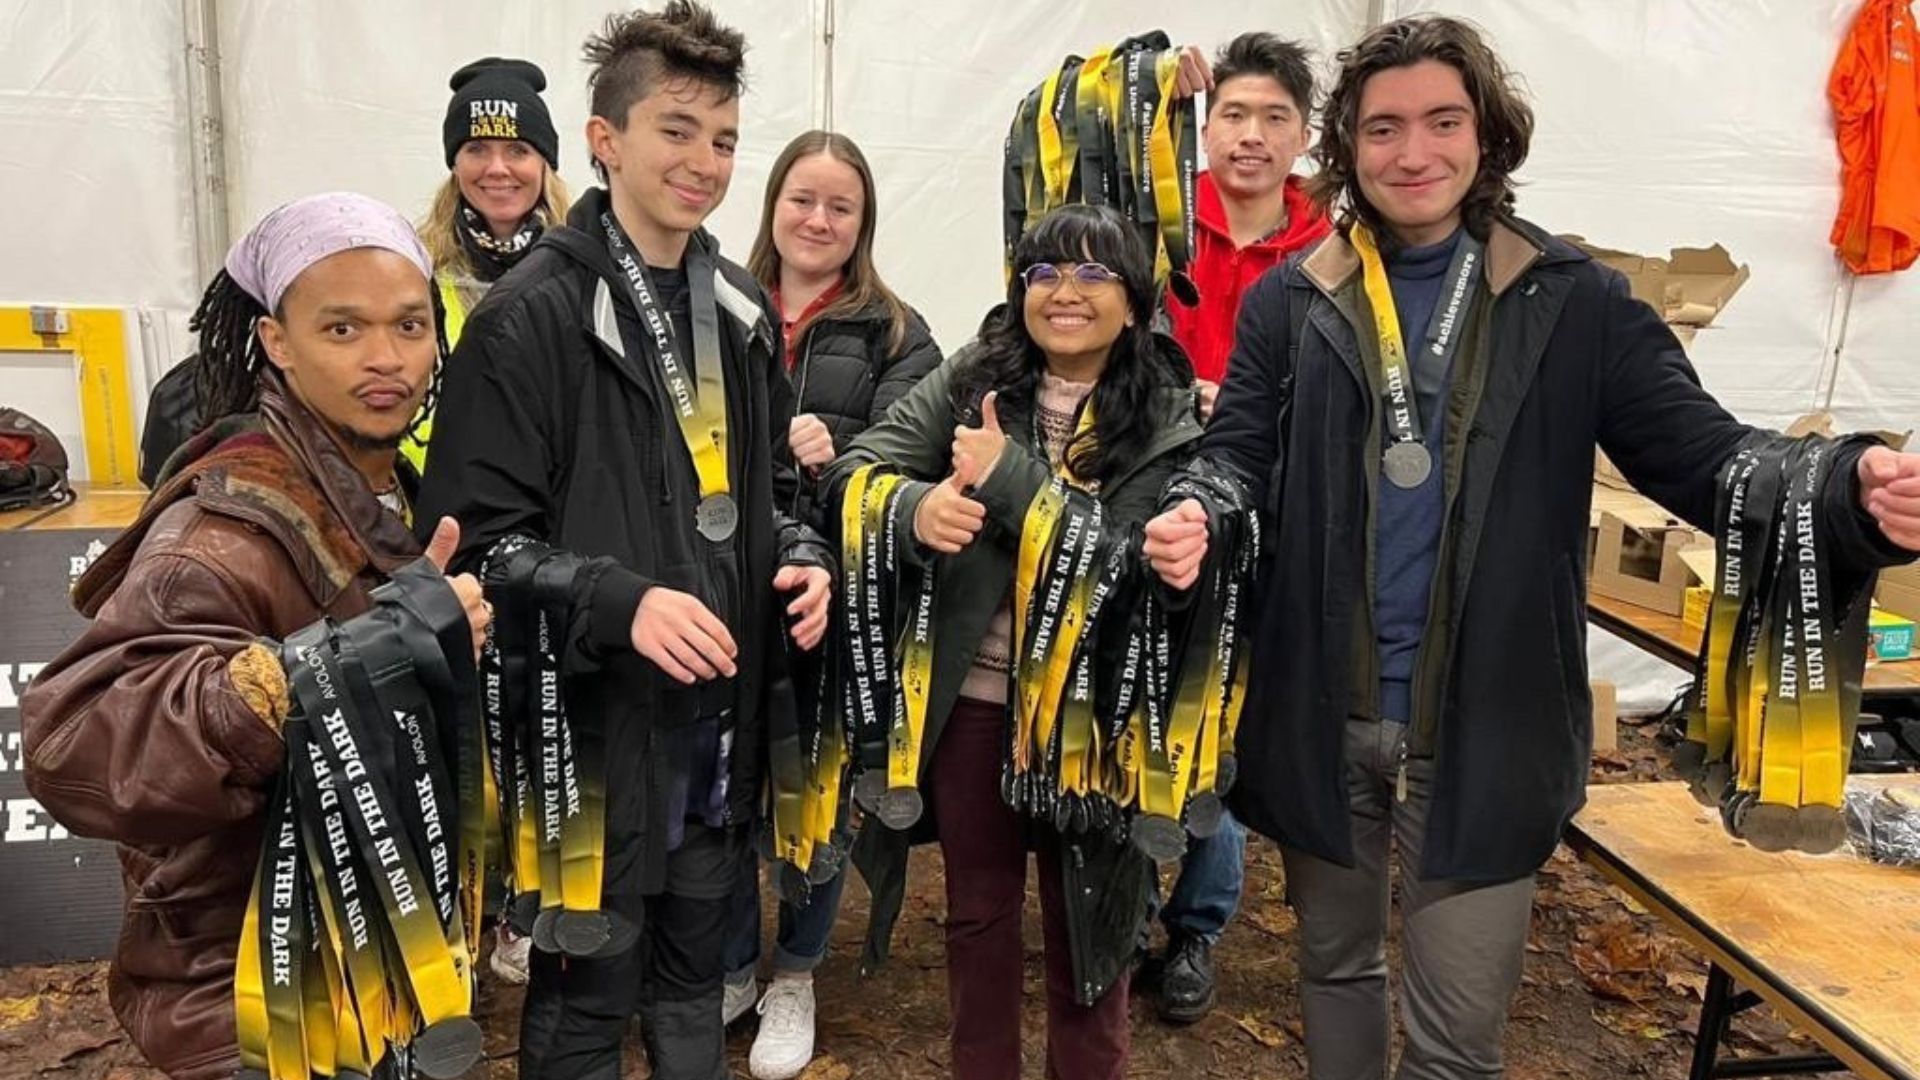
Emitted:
<point x="1251" y="210"/>
<point x="1251" y="213"/>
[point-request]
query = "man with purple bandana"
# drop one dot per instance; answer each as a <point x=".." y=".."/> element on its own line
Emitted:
<point x="160" y="727"/>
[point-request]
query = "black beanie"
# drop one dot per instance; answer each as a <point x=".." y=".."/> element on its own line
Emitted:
<point x="500" y="99"/>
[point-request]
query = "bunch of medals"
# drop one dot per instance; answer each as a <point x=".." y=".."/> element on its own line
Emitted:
<point x="1108" y="130"/>
<point x="357" y="949"/>
<point x="883" y="700"/>
<point x="1777" y="683"/>
<point x="805" y="830"/>
<point x="1144" y="747"/>
<point x="547" y="765"/>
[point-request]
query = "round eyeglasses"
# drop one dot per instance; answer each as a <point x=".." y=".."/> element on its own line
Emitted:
<point x="1087" y="276"/>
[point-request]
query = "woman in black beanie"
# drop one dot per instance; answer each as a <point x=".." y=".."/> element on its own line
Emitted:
<point x="501" y="194"/>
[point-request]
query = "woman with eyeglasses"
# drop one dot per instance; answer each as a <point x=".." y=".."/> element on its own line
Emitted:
<point x="1068" y="380"/>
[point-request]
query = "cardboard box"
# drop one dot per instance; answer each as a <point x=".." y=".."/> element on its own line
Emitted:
<point x="1606" y="716"/>
<point x="1629" y="506"/>
<point x="1642" y="565"/>
<point x="1699" y="600"/>
<point x="1899" y="591"/>
<point x="1889" y="636"/>
<point x="1689" y="287"/>
<point x="1606" y="473"/>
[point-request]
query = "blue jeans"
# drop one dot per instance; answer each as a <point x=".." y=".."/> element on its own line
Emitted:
<point x="800" y="942"/>
<point x="1207" y="893"/>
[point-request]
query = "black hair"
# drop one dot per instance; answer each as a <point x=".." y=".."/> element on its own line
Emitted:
<point x="1008" y="360"/>
<point x="227" y="372"/>
<point x="1260" y="53"/>
<point x="634" y="51"/>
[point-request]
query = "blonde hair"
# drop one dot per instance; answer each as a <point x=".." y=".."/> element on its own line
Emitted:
<point x="440" y="229"/>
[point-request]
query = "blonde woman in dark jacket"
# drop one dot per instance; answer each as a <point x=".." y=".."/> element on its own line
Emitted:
<point x="853" y="348"/>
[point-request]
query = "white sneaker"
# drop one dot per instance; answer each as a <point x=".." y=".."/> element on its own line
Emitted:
<point x="785" y="1044"/>
<point x="740" y="990"/>
<point x="510" y="954"/>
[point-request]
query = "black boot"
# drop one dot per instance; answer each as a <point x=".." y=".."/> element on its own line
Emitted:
<point x="1186" y="980"/>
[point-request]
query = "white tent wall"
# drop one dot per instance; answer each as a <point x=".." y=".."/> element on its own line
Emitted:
<point x="351" y="95"/>
<point x="1879" y="355"/>
<point x="95" y="175"/>
<point x="93" y="116"/>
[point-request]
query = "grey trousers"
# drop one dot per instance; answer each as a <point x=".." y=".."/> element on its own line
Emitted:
<point x="1462" y="944"/>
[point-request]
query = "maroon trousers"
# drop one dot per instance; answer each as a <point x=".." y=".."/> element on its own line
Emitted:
<point x="984" y="844"/>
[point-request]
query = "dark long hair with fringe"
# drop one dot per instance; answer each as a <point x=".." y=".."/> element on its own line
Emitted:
<point x="1501" y="117"/>
<point x="1008" y="360"/>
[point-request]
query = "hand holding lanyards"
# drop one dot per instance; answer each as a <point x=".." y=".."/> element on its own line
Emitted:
<point x="1176" y="544"/>
<point x="440" y="549"/>
<point x="1890" y="492"/>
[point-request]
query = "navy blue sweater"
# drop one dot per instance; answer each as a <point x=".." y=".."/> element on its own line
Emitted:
<point x="1407" y="523"/>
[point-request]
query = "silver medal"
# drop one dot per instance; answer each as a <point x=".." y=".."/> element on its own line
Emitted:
<point x="717" y="517"/>
<point x="1407" y="464"/>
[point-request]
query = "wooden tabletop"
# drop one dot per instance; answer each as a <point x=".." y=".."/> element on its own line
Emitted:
<point x="92" y="508"/>
<point x="1671" y="639"/>
<point x="1830" y="941"/>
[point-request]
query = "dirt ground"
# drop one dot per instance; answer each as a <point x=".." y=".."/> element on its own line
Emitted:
<point x="1607" y="993"/>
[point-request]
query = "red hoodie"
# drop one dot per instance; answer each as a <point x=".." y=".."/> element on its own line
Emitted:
<point x="1223" y="272"/>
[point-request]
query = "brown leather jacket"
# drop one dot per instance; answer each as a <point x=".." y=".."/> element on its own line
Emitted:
<point x="159" y="727"/>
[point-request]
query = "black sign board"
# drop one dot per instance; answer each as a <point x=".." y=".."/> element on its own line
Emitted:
<point x="61" y="898"/>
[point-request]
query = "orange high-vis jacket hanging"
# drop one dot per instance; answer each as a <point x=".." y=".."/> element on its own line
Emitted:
<point x="1876" y="117"/>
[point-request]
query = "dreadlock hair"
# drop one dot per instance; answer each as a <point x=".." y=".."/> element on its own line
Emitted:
<point x="226" y="377"/>
<point x="634" y="52"/>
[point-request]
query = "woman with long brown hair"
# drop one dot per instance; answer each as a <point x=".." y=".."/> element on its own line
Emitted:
<point x="853" y="348"/>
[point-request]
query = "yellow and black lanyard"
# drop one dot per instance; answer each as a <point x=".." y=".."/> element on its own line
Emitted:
<point x="1777" y="680"/>
<point x="358" y="940"/>
<point x="1109" y="130"/>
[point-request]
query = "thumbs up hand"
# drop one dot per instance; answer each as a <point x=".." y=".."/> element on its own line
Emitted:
<point x="979" y="446"/>
<point x="946" y="519"/>
<point x="440" y="549"/>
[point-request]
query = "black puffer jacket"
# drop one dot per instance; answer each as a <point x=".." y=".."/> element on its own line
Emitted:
<point x="846" y="373"/>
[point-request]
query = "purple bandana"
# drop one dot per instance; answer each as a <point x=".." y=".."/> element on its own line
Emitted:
<point x="300" y="233"/>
